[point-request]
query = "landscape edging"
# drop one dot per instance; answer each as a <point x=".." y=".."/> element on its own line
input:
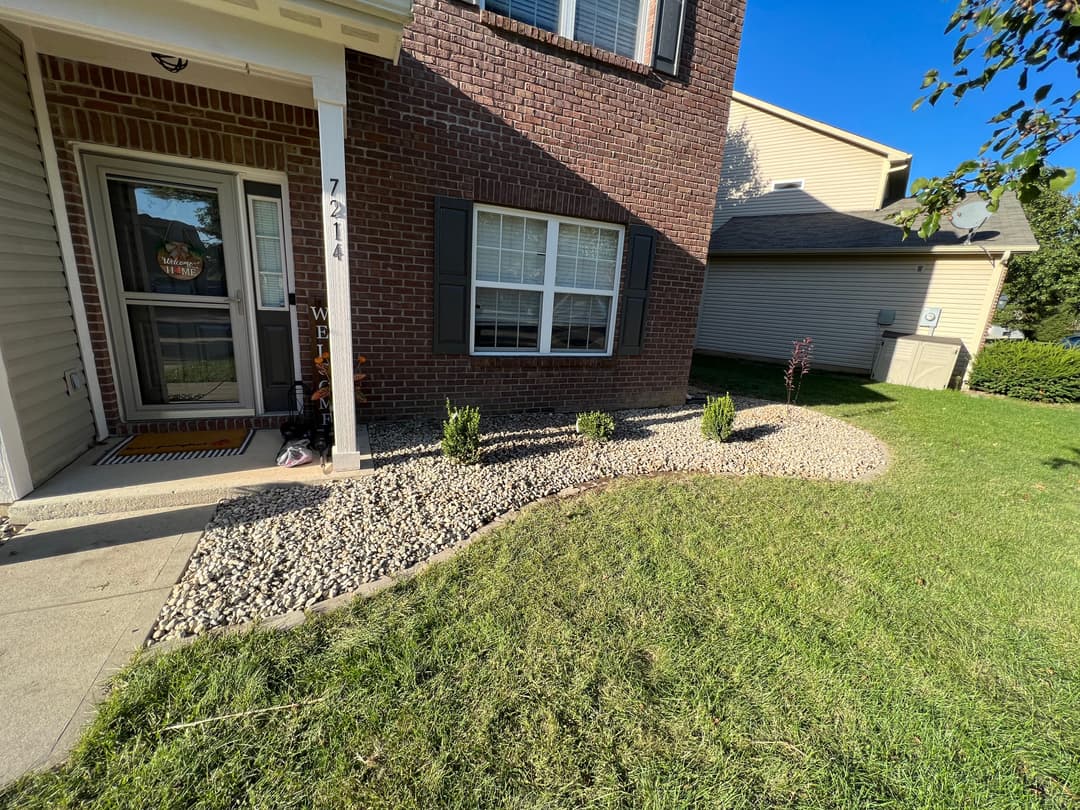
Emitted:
<point x="295" y="618"/>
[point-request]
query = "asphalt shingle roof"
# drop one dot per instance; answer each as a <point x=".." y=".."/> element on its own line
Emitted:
<point x="865" y="230"/>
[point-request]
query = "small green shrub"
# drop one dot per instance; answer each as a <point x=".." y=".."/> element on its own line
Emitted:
<point x="1024" y="369"/>
<point x="718" y="418"/>
<point x="461" y="434"/>
<point x="596" y="425"/>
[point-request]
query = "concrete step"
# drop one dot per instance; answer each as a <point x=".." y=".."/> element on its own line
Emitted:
<point x="84" y="489"/>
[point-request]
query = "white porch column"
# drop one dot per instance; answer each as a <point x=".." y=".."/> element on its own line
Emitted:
<point x="330" y="98"/>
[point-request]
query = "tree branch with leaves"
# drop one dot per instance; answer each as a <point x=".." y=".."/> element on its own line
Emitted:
<point x="1043" y="288"/>
<point x="1020" y="40"/>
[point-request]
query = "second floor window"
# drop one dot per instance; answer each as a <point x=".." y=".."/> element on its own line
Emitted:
<point x="614" y="25"/>
<point x="541" y="13"/>
<point x="609" y="24"/>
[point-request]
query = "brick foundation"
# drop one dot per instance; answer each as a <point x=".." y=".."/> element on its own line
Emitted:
<point x="503" y="115"/>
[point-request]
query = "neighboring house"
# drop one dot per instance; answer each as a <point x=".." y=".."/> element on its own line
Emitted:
<point x="802" y="245"/>
<point x="504" y="204"/>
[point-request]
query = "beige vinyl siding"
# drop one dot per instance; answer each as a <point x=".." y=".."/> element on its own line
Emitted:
<point x="37" y="328"/>
<point x="7" y="495"/>
<point x="757" y="307"/>
<point x="763" y="148"/>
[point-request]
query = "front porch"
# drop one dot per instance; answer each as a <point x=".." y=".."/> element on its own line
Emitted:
<point x="85" y="488"/>
<point x="193" y="186"/>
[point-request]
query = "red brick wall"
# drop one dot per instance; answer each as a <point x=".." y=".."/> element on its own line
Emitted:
<point x="93" y="105"/>
<point x="477" y="111"/>
<point x="486" y="111"/>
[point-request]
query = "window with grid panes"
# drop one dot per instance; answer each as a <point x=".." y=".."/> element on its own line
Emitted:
<point x="543" y="284"/>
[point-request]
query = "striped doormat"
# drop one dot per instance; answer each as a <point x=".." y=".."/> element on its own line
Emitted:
<point x="179" y="446"/>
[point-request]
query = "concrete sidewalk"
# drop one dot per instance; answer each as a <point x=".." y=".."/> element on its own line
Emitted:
<point x="77" y="598"/>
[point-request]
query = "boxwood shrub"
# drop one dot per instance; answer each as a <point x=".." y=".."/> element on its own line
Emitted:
<point x="596" y="425"/>
<point x="718" y="418"/>
<point x="461" y="434"/>
<point x="1046" y="372"/>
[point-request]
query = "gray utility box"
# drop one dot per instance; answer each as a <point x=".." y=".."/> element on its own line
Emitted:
<point x="921" y="361"/>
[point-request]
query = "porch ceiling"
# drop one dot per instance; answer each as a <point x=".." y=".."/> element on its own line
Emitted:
<point x="363" y="25"/>
<point x="292" y="38"/>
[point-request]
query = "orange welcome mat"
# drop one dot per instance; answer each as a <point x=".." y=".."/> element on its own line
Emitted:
<point x="179" y="446"/>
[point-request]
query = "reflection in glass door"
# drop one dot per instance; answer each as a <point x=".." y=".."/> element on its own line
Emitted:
<point x="173" y="249"/>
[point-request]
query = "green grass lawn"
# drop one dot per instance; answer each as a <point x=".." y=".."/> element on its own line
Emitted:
<point x="674" y="642"/>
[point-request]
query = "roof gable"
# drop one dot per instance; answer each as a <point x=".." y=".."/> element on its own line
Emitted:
<point x="890" y="153"/>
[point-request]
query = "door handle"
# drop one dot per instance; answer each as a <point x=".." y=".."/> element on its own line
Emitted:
<point x="239" y="311"/>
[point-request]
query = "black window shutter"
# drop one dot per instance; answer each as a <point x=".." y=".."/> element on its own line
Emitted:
<point x="669" y="34"/>
<point x="453" y="257"/>
<point x="639" y="264"/>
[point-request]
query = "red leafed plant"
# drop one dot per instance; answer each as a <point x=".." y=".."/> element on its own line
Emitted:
<point x="802" y="352"/>
<point x="322" y="367"/>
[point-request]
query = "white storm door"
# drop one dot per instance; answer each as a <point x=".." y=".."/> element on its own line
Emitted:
<point x="172" y="264"/>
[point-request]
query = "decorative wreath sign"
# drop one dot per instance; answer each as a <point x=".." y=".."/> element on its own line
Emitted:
<point x="179" y="260"/>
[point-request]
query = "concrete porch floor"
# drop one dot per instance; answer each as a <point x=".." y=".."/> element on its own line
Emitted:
<point x="83" y="489"/>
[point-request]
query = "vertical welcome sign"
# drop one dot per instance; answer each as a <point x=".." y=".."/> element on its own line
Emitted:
<point x="320" y="341"/>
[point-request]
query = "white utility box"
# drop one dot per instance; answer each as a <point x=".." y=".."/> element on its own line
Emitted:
<point x="921" y="361"/>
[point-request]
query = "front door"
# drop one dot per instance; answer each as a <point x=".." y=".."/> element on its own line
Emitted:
<point x="171" y="251"/>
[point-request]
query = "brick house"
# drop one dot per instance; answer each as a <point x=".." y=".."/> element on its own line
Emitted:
<point x="505" y="205"/>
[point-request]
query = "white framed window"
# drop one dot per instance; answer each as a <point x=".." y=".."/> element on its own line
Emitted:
<point x="543" y="284"/>
<point x="268" y="252"/>
<point x="541" y="13"/>
<point x="614" y="25"/>
<point x="788" y="185"/>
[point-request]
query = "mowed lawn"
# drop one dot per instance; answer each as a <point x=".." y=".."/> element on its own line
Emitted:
<point x="686" y="641"/>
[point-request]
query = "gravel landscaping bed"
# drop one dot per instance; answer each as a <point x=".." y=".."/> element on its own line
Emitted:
<point x="283" y="550"/>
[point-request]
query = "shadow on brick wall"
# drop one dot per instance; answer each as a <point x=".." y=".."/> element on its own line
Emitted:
<point x="413" y="135"/>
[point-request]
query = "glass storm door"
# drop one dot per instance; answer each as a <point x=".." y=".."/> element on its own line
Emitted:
<point x="171" y="255"/>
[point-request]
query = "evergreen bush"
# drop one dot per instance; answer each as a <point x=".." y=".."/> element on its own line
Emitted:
<point x="718" y="418"/>
<point x="1061" y="323"/>
<point x="1046" y="372"/>
<point x="596" y="425"/>
<point x="461" y="434"/>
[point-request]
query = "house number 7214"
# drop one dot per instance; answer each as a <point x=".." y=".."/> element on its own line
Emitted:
<point x="337" y="213"/>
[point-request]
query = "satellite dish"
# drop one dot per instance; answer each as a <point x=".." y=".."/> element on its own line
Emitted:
<point x="970" y="217"/>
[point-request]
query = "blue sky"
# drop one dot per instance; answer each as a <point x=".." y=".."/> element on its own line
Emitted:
<point x="170" y="208"/>
<point x="859" y="65"/>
